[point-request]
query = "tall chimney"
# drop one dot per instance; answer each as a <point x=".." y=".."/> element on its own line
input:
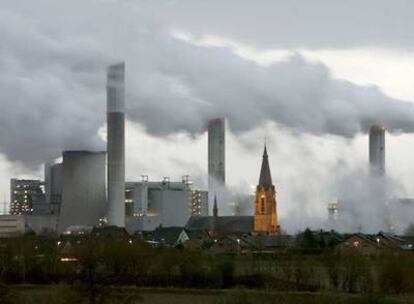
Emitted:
<point x="377" y="150"/>
<point x="115" y="90"/>
<point x="216" y="154"/>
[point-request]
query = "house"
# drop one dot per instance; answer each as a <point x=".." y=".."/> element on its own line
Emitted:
<point x="169" y="236"/>
<point x="269" y="243"/>
<point x="198" y="240"/>
<point x="371" y="244"/>
<point x="230" y="244"/>
<point x="221" y="225"/>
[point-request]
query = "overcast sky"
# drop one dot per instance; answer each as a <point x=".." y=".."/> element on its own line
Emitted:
<point x="311" y="76"/>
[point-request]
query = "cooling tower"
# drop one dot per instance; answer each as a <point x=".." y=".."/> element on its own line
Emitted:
<point x="216" y="155"/>
<point x="116" y="144"/>
<point x="83" y="193"/>
<point x="377" y="150"/>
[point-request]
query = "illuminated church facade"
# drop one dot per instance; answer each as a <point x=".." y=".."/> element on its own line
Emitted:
<point x="265" y="215"/>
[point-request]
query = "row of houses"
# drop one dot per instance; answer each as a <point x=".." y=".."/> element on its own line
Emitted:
<point x="232" y="235"/>
<point x="247" y="243"/>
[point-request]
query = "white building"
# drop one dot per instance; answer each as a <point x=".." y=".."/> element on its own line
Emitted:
<point x="12" y="225"/>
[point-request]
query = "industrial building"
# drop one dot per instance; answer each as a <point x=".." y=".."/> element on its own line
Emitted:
<point x="199" y="203"/>
<point x="216" y="155"/>
<point x="27" y="196"/>
<point x="41" y="223"/>
<point x="377" y="150"/>
<point x="54" y="186"/>
<point x="164" y="203"/>
<point x="12" y="225"/>
<point x="116" y="144"/>
<point x="83" y="192"/>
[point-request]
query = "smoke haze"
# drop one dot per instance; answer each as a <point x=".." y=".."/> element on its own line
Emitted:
<point x="53" y="96"/>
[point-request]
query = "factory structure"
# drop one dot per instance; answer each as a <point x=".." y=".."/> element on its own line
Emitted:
<point x="26" y="196"/>
<point x="83" y="191"/>
<point x="116" y="144"/>
<point x="78" y="199"/>
<point x="165" y="203"/>
<point x="377" y="150"/>
<point x="216" y="155"/>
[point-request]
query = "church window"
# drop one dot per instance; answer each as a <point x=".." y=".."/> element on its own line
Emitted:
<point x="262" y="204"/>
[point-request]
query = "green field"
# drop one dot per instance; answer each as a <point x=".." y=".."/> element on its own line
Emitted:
<point x="64" y="294"/>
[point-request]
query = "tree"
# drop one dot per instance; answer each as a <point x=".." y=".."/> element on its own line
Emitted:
<point x="409" y="231"/>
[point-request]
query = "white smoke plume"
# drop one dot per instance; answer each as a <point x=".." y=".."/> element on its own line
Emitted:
<point x="52" y="88"/>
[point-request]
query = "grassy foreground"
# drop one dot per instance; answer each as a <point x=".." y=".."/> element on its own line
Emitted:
<point x="65" y="294"/>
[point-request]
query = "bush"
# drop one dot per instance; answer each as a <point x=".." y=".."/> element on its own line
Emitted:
<point x="396" y="274"/>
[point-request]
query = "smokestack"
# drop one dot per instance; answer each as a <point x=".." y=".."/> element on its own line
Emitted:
<point x="115" y="89"/>
<point x="377" y="150"/>
<point x="216" y="154"/>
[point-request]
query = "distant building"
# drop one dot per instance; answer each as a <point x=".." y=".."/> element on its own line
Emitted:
<point x="54" y="186"/>
<point x="217" y="225"/>
<point x="374" y="244"/>
<point x="377" y="150"/>
<point x="333" y="211"/>
<point x="199" y="203"/>
<point x="83" y="192"/>
<point x="27" y="197"/>
<point x="12" y="225"/>
<point x="221" y="225"/>
<point x="216" y="154"/>
<point x="168" y="204"/>
<point x="169" y="237"/>
<point x="265" y="215"/>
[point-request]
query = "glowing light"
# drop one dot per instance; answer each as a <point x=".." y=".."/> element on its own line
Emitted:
<point x="68" y="259"/>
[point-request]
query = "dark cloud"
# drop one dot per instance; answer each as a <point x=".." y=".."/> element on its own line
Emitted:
<point x="52" y="88"/>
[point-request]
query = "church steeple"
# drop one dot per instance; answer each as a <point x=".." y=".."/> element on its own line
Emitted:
<point x="265" y="215"/>
<point x="265" y="179"/>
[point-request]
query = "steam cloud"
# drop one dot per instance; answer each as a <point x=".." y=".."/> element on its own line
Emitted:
<point x="52" y="90"/>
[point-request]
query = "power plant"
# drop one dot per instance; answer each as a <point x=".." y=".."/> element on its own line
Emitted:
<point x="89" y="189"/>
<point x="116" y="144"/>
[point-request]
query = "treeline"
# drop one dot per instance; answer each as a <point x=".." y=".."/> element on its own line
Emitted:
<point x="89" y="263"/>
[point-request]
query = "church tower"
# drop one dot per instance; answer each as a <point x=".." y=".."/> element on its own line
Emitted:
<point x="265" y="215"/>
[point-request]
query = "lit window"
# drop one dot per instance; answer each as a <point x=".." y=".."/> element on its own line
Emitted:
<point x="262" y="204"/>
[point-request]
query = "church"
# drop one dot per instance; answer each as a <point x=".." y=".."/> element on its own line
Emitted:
<point x="265" y="211"/>
<point x="264" y="221"/>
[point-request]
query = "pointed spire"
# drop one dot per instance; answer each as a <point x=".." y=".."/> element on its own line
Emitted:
<point x="215" y="208"/>
<point x="265" y="179"/>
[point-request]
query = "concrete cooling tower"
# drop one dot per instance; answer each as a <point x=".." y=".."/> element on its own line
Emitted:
<point x="83" y="193"/>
